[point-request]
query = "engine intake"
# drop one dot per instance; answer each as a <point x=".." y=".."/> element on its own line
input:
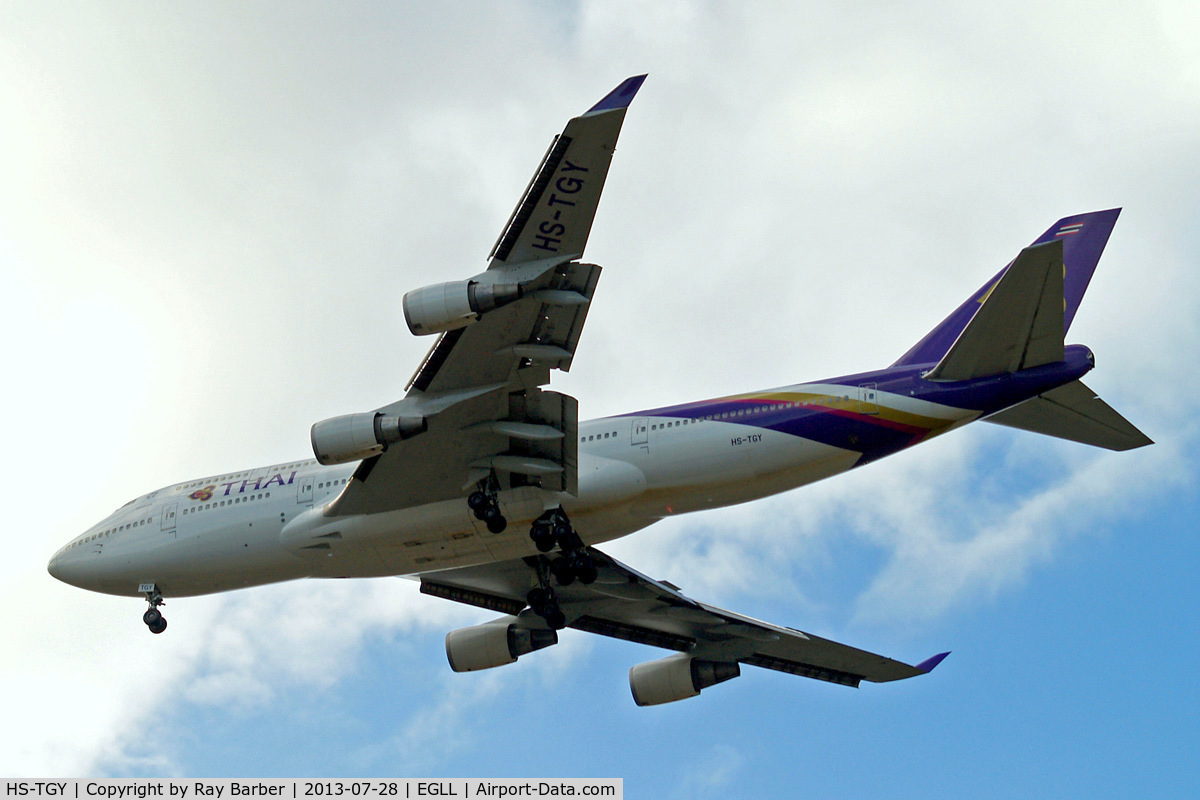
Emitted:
<point x="677" y="677"/>
<point x="354" y="437"/>
<point x="494" y="644"/>
<point x="446" y="306"/>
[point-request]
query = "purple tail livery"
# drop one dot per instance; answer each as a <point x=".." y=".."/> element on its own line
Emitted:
<point x="1083" y="238"/>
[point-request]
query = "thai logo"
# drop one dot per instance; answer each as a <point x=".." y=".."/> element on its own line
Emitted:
<point x="203" y="494"/>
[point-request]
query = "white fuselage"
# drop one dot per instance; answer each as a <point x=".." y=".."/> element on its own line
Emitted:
<point x="269" y="524"/>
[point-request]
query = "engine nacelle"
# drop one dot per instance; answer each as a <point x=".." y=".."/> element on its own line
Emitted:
<point x="354" y="437"/>
<point x="677" y="677"/>
<point x="494" y="644"/>
<point x="446" y="306"/>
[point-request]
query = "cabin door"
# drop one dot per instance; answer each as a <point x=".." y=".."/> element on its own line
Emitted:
<point x="868" y="398"/>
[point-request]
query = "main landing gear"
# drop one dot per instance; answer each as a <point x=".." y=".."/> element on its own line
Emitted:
<point x="544" y="603"/>
<point x="574" y="564"/>
<point x="153" y="618"/>
<point x="485" y="507"/>
<point x="554" y="529"/>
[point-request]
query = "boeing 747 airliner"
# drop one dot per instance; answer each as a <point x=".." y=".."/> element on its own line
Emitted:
<point x="490" y="491"/>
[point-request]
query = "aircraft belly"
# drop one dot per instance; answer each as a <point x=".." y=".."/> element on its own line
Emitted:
<point x="418" y="539"/>
<point x="446" y="534"/>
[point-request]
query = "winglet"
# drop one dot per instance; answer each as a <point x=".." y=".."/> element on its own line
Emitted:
<point x="619" y="97"/>
<point x="928" y="664"/>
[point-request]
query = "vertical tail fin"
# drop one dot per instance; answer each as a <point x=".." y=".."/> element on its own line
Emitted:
<point x="1083" y="236"/>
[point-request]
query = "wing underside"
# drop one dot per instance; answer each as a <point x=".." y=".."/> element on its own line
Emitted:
<point x="480" y="392"/>
<point x="554" y="216"/>
<point x="624" y="604"/>
<point x="477" y="395"/>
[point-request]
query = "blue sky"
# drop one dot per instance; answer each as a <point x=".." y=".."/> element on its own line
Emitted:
<point x="207" y="218"/>
<point x="1078" y="683"/>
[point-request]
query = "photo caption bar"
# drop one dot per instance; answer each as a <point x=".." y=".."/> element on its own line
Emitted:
<point x="224" y="789"/>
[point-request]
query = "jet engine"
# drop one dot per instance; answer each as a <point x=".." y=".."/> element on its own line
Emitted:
<point x="354" y="437"/>
<point x="677" y="677"/>
<point x="446" y="306"/>
<point x="494" y="644"/>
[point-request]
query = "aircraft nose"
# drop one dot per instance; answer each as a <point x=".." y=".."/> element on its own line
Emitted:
<point x="58" y="568"/>
<point x="68" y="570"/>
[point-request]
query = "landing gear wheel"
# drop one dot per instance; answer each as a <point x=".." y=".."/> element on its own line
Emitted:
<point x="563" y="571"/>
<point x="584" y="567"/>
<point x="152" y="616"/>
<point x="543" y="537"/>
<point x="540" y="600"/>
<point x="555" y="618"/>
<point x="486" y="508"/>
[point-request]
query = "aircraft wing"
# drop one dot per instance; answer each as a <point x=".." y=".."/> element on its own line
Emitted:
<point x="478" y="390"/>
<point x="554" y="217"/>
<point x="625" y="604"/>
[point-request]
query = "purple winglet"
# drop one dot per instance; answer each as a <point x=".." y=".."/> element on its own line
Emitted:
<point x="928" y="664"/>
<point x="621" y="96"/>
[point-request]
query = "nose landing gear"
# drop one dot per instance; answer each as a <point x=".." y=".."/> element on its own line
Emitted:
<point x="153" y="618"/>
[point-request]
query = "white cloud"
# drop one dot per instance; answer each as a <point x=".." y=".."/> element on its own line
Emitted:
<point x="952" y="529"/>
<point x="938" y="567"/>
<point x="447" y="726"/>
<point x="269" y="640"/>
<point x="711" y="773"/>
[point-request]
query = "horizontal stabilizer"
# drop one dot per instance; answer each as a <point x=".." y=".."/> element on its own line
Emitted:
<point x="1074" y="412"/>
<point x="1019" y="324"/>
